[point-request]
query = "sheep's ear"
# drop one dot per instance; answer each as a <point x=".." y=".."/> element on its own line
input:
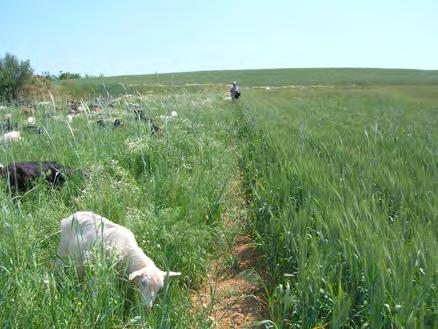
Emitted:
<point x="171" y="274"/>
<point x="135" y="274"/>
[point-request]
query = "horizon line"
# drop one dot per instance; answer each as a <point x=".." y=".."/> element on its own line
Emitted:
<point x="277" y="68"/>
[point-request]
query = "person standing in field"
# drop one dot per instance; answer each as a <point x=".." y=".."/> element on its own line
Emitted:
<point x="234" y="91"/>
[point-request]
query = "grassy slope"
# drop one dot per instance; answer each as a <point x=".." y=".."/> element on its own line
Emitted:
<point x="272" y="77"/>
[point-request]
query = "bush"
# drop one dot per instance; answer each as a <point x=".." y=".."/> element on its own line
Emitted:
<point x="13" y="76"/>
<point x="68" y="75"/>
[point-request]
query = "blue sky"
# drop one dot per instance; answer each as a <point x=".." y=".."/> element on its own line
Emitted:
<point x="133" y="37"/>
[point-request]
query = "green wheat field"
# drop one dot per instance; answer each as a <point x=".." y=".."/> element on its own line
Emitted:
<point x="338" y="169"/>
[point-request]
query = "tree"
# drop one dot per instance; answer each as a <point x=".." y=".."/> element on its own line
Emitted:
<point x="14" y="74"/>
<point x="68" y="75"/>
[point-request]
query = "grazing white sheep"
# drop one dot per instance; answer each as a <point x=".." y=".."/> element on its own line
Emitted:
<point x="11" y="136"/>
<point x="30" y="120"/>
<point x="170" y="117"/>
<point x="81" y="231"/>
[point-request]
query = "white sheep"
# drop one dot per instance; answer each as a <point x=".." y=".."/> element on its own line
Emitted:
<point x="172" y="116"/>
<point x="11" y="136"/>
<point x="165" y="118"/>
<point x="81" y="231"/>
<point x="30" y="121"/>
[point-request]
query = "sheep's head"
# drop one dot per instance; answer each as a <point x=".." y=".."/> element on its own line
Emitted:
<point x="149" y="281"/>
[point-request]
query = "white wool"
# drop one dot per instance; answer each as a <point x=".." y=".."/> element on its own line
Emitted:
<point x="30" y="120"/>
<point x="170" y="117"/>
<point x="81" y="231"/>
<point x="11" y="136"/>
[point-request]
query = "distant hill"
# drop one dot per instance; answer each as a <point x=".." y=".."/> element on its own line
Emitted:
<point x="265" y="77"/>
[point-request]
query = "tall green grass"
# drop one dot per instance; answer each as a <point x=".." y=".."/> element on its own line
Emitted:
<point x="169" y="190"/>
<point x="344" y="192"/>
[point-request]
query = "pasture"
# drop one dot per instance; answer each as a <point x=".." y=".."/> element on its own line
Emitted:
<point x="333" y="180"/>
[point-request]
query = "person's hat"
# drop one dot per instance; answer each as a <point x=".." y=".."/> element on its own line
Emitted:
<point x="234" y="83"/>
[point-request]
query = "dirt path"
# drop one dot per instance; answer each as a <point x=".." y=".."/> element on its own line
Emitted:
<point x="232" y="295"/>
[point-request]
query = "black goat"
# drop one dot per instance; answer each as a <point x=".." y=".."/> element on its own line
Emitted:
<point x="118" y="123"/>
<point x="155" y="130"/>
<point x="21" y="175"/>
<point x="35" y="129"/>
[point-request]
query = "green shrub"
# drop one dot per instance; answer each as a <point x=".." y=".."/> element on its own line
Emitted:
<point x="14" y="74"/>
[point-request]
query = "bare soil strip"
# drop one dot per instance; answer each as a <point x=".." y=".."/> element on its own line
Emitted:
<point x="232" y="295"/>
